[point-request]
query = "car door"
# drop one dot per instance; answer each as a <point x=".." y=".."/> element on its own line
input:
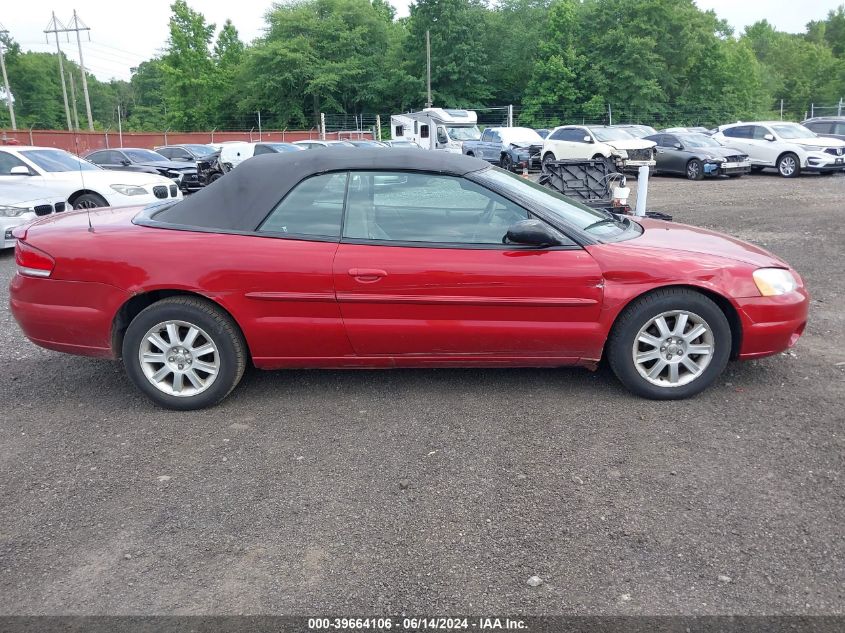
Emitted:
<point x="422" y="276"/>
<point x="740" y="137"/>
<point x="767" y="150"/>
<point x="674" y="159"/>
<point x="662" y="157"/>
<point x="481" y="146"/>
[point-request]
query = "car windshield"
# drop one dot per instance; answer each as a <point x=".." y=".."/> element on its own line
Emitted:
<point x="792" y="130"/>
<point x="605" y="134"/>
<point x="143" y="155"/>
<point x="284" y="147"/>
<point x="200" y="150"/>
<point x="521" y="136"/>
<point x="57" y="160"/>
<point x="464" y="133"/>
<point x="697" y="140"/>
<point x="596" y="222"/>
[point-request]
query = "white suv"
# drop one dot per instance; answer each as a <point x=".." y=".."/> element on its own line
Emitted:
<point x="584" y="142"/>
<point x="789" y="147"/>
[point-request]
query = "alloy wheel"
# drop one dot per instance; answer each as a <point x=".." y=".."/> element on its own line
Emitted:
<point x="787" y="166"/>
<point x="179" y="358"/>
<point x="673" y="348"/>
<point x="693" y="170"/>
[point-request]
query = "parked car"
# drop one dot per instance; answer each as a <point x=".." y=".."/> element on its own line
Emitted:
<point x="598" y="142"/>
<point x="828" y="126"/>
<point x="402" y="144"/>
<point x="696" y="156"/>
<point x="508" y="147"/>
<point x="233" y="154"/>
<point x="82" y="184"/>
<point x="211" y="168"/>
<point x="21" y="203"/>
<point x="688" y="130"/>
<point x="305" y="261"/>
<point x="147" y="161"/>
<point x="636" y="130"/>
<point x="363" y="142"/>
<point x="317" y="144"/>
<point x="543" y="132"/>
<point x="788" y="147"/>
<point x="188" y="153"/>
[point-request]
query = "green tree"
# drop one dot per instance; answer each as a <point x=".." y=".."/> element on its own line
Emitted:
<point x="188" y="69"/>
<point x="459" y="59"/>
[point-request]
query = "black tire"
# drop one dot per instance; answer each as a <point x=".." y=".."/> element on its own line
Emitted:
<point x="694" y="170"/>
<point x="89" y="201"/>
<point x="215" y="325"/>
<point x="214" y="176"/>
<point x="626" y="330"/>
<point x="506" y="163"/>
<point x="549" y="157"/>
<point x="756" y="169"/>
<point x="789" y="166"/>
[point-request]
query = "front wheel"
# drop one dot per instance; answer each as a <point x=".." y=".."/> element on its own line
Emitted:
<point x="695" y="170"/>
<point x="548" y="159"/>
<point x="789" y="166"/>
<point x="89" y="201"/>
<point x="670" y="344"/>
<point x="184" y="353"/>
<point x="506" y="162"/>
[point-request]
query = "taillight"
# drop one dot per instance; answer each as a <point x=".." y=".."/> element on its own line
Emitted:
<point x="32" y="261"/>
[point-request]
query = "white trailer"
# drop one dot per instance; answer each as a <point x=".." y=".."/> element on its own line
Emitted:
<point x="436" y="128"/>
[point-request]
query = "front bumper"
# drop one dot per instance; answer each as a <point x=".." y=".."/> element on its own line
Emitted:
<point x="7" y="224"/>
<point x="772" y="324"/>
<point x="715" y="168"/>
<point x="823" y="162"/>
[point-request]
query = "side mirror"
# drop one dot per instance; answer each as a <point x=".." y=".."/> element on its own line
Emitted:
<point x="769" y="137"/>
<point x="125" y="162"/>
<point x="678" y="146"/>
<point x="588" y="139"/>
<point x="20" y="170"/>
<point x="531" y="233"/>
<point x="441" y="137"/>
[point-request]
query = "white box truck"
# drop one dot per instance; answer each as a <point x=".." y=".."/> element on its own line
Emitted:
<point x="436" y="128"/>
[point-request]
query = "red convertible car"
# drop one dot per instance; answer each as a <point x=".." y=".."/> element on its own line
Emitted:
<point x="367" y="258"/>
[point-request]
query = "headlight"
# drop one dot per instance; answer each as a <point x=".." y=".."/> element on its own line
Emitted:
<point x="774" y="281"/>
<point x="715" y="159"/>
<point x="12" y="212"/>
<point x="130" y="190"/>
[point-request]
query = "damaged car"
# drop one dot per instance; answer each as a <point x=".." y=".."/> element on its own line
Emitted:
<point x="697" y="155"/>
<point x="507" y="147"/>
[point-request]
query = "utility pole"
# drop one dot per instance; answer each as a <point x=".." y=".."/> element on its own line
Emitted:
<point x="259" y="125"/>
<point x="9" y="103"/>
<point x="781" y="109"/>
<point x="55" y="27"/>
<point x="75" y="110"/>
<point x="609" y="115"/>
<point x="120" y="126"/>
<point x="510" y="115"/>
<point x="838" y="111"/>
<point x="78" y="25"/>
<point x="428" y="67"/>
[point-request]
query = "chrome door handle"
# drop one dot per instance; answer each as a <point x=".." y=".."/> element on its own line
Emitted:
<point x="367" y="275"/>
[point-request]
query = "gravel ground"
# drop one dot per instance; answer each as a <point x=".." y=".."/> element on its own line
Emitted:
<point x="442" y="492"/>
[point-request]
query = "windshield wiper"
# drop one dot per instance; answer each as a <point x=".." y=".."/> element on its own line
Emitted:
<point x="611" y="220"/>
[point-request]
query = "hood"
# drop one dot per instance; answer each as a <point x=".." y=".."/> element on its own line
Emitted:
<point x="821" y="142"/>
<point x="106" y="177"/>
<point x="718" y="151"/>
<point x="630" y="143"/>
<point x="691" y="239"/>
<point x="168" y="164"/>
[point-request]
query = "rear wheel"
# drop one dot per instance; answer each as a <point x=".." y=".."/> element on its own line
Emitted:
<point x="184" y="353"/>
<point x="670" y="344"/>
<point x="789" y="166"/>
<point x="695" y="170"/>
<point x="89" y="201"/>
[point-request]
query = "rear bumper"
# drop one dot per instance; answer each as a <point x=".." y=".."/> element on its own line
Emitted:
<point x="66" y="316"/>
<point x="772" y="324"/>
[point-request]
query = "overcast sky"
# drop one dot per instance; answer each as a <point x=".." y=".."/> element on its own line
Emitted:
<point x="125" y="33"/>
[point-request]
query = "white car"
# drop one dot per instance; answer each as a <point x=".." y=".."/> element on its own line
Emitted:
<point x="788" y="147"/>
<point x="82" y="184"/>
<point x="317" y="144"/>
<point x="21" y="204"/>
<point x="236" y="153"/>
<point x="584" y="142"/>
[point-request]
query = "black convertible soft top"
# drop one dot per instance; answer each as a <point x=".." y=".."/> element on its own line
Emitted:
<point x="243" y="198"/>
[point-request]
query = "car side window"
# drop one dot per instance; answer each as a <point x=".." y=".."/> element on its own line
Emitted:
<point x="820" y="127"/>
<point x="485" y="136"/>
<point x="263" y="149"/>
<point x="669" y="141"/>
<point x="557" y="135"/>
<point x="429" y="208"/>
<point x="313" y="208"/>
<point x="759" y="132"/>
<point x="742" y="131"/>
<point x="7" y="161"/>
<point x="98" y="158"/>
<point x="838" y="128"/>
